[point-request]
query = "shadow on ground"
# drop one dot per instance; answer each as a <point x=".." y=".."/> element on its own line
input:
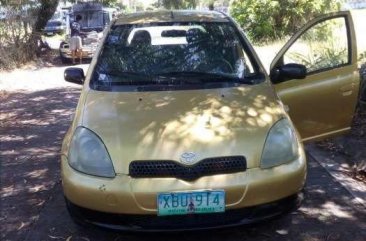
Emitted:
<point x="32" y="127"/>
<point x="350" y="148"/>
<point x="51" y="58"/>
<point x="32" y="205"/>
<point x="326" y="214"/>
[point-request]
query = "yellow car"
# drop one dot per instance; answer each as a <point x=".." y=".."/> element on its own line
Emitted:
<point x="179" y="126"/>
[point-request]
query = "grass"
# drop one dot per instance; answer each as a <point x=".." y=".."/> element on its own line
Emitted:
<point x="268" y="51"/>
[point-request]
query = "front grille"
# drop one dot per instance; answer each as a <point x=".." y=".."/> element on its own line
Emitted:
<point x="205" y="167"/>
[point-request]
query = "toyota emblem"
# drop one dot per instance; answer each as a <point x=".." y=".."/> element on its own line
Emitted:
<point x="188" y="158"/>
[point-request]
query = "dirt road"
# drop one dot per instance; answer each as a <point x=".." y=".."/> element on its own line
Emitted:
<point x="36" y="109"/>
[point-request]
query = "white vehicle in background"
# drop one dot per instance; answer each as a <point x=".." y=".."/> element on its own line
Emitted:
<point x="95" y="18"/>
<point x="55" y="26"/>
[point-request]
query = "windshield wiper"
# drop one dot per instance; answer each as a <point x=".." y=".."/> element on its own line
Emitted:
<point x="125" y="77"/>
<point x="118" y="73"/>
<point x="135" y="78"/>
<point x="202" y="77"/>
<point x="168" y="78"/>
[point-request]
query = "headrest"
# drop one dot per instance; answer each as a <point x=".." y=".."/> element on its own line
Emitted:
<point x="141" y="37"/>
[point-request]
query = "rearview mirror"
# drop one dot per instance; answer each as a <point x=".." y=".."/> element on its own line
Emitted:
<point x="287" y="72"/>
<point x="74" y="75"/>
<point x="173" y="33"/>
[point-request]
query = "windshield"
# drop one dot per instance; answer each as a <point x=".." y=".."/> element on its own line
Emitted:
<point x="172" y="53"/>
<point x="91" y="19"/>
<point x="53" y="24"/>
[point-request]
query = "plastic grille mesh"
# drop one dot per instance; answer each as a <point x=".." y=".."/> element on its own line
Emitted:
<point x="205" y="167"/>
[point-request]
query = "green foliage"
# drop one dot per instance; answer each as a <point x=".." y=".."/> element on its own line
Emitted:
<point x="267" y="20"/>
<point x="177" y="4"/>
<point x="323" y="59"/>
<point x="323" y="46"/>
<point x="110" y="3"/>
<point x="47" y="9"/>
<point x="20" y="34"/>
<point x="215" y="2"/>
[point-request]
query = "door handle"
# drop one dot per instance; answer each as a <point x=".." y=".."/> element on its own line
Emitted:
<point x="347" y="88"/>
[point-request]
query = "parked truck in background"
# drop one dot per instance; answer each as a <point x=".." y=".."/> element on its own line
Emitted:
<point x="95" y="18"/>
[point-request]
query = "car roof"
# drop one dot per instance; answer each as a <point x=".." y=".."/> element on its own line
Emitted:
<point x="171" y="16"/>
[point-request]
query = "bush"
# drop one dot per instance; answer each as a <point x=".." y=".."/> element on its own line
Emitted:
<point x="268" y="20"/>
<point x="16" y="47"/>
<point x="20" y="31"/>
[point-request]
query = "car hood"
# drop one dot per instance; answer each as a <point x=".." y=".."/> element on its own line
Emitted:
<point x="162" y="125"/>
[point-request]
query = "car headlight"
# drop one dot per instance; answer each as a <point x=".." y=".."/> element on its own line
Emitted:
<point x="88" y="154"/>
<point x="281" y="145"/>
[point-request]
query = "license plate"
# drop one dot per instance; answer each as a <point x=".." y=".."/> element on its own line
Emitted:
<point x="182" y="203"/>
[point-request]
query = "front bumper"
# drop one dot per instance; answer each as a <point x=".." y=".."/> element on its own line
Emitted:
<point x="53" y="31"/>
<point x="138" y="196"/>
<point x="153" y="223"/>
<point x="87" y="52"/>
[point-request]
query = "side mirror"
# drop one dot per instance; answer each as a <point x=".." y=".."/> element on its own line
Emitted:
<point x="287" y="72"/>
<point x="74" y="75"/>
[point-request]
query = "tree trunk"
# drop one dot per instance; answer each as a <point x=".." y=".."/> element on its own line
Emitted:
<point x="43" y="14"/>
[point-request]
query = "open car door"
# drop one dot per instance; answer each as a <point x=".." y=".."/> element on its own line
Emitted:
<point x="315" y="75"/>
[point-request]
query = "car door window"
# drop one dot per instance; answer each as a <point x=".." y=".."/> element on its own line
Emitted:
<point x="322" y="47"/>
<point x="327" y="48"/>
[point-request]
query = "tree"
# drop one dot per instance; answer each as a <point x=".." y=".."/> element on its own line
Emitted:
<point x="177" y="4"/>
<point x="20" y="33"/>
<point x="46" y="10"/>
<point x="109" y="3"/>
<point x="215" y="2"/>
<point x="273" y="19"/>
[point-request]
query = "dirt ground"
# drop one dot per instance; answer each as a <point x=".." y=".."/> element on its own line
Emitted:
<point x="36" y="109"/>
<point x="352" y="147"/>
